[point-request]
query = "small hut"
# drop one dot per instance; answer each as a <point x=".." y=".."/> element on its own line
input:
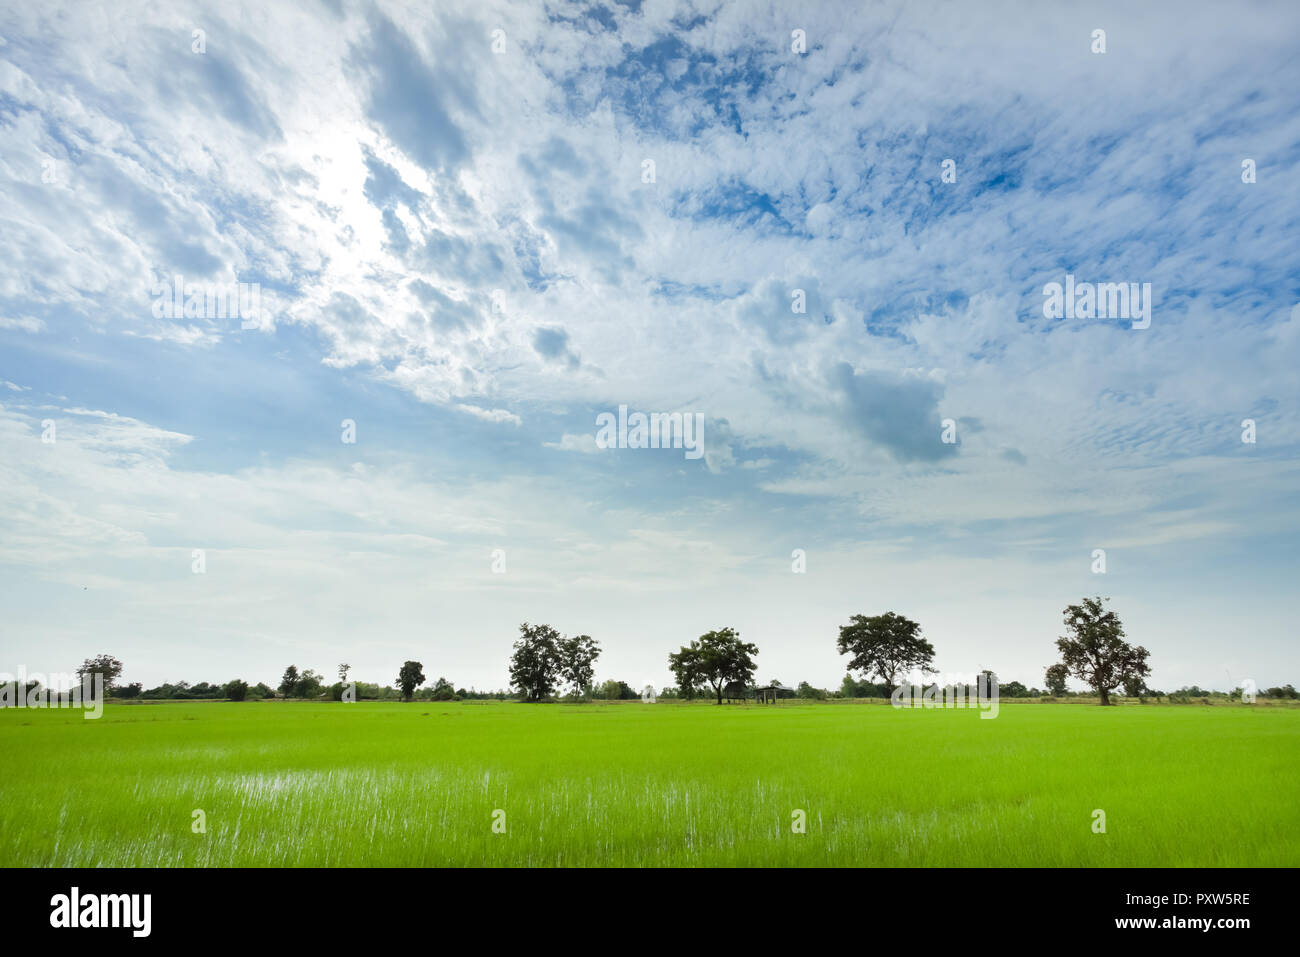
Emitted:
<point x="770" y="694"/>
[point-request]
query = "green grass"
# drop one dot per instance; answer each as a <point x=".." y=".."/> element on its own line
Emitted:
<point x="635" y="784"/>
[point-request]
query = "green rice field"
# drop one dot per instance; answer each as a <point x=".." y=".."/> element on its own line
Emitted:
<point x="422" y="784"/>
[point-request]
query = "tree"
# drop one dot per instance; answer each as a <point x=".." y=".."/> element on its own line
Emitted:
<point x="577" y="660"/>
<point x="685" y="666"/>
<point x="716" y="659"/>
<point x="106" y="666"/>
<point x="409" y="678"/>
<point x="289" y="681"/>
<point x="535" y="664"/>
<point x="443" y="690"/>
<point x="1056" y="676"/>
<point x="343" y="673"/>
<point x="805" y="690"/>
<point x="236" y="690"/>
<point x="1135" y="687"/>
<point x="612" y="690"/>
<point x="887" y="645"/>
<point x="1095" y="651"/>
<point x="310" y="685"/>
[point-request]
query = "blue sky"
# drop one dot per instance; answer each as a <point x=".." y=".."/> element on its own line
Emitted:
<point x="459" y="250"/>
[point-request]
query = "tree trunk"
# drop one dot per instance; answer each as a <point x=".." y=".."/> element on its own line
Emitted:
<point x="1105" y="696"/>
<point x="718" y="688"/>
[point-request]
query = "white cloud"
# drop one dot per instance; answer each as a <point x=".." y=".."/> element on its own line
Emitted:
<point x="569" y="442"/>
<point x="491" y="415"/>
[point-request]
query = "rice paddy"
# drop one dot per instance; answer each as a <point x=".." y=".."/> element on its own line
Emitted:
<point x="488" y="784"/>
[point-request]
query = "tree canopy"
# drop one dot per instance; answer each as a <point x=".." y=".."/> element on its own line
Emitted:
<point x="717" y="658"/>
<point x="1055" y="676"/>
<point x="106" y="666"/>
<point x="535" y="664"/>
<point x="1094" y="649"/>
<point x="885" y="645"/>
<point x="410" y="677"/>
<point x="577" y="659"/>
<point x="544" y="659"/>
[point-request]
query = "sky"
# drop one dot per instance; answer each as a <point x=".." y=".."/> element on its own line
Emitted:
<point x="476" y="227"/>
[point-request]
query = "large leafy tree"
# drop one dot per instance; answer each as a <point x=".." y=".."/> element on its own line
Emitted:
<point x="887" y="645"/>
<point x="289" y="681"/>
<point x="577" y="659"/>
<point x="717" y="659"/>
<point x="1094" y="650"/>
<point x="535" y="664"/>
<point x="106" y="666"/>
<point x="410" y="677"/>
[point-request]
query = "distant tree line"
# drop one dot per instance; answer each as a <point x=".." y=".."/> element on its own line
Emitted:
<point x="546" y="665"/>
